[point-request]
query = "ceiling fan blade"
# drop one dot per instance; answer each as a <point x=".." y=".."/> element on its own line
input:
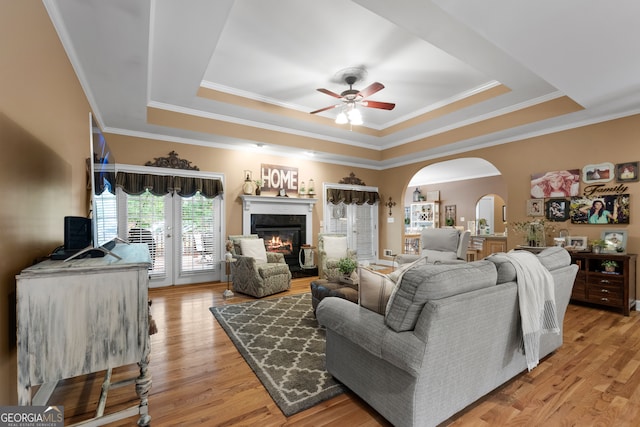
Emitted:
<point x="325" y="109"/>
<point x="328" y="92"/>
<point x="380" y="105"/>
<point x="371" y="89"/>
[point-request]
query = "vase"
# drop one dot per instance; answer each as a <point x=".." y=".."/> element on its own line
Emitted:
<point x="257" y="191"/>
<point x="597" y="249"/>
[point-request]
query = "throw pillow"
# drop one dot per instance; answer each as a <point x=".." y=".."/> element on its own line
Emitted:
<point x="254" y="248"/>
<point x="374" y="290"/>
<point x="335" y="246"/>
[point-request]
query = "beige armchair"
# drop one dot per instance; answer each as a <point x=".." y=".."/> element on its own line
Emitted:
<point x="332" y="247"/>
<point x="257" y="272"/>
<point x="440" y="245"/>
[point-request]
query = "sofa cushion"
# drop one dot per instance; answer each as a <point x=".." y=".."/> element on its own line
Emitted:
<point x="254" y="248"/>
<point x="506" y="270"/>
<point x="441" y="239"/>
<point x="335" y="246"/>
<point x="433" y="282"/>
<point x="554" y="257"/>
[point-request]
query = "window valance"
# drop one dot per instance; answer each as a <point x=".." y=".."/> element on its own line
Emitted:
<point x="159" y="185"/>
<point x="338" y="195"/>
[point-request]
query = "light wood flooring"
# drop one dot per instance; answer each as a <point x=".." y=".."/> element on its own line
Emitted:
<point x="199" y="378"/>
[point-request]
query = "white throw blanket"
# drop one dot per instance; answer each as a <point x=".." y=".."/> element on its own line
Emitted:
<point x="537" y="302"/>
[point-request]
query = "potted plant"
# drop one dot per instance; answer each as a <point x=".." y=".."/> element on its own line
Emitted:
<point x="609" y="265"/>
<point x="347" y="266"/>
<point x="258" y="183"/>
<point x="597" y="245"/>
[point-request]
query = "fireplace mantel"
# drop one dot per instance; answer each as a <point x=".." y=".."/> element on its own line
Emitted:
<point x="282" y="204"/>
<point x="274" y="205"/>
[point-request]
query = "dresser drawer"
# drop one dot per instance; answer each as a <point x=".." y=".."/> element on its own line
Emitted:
<point x="605" y="293"/>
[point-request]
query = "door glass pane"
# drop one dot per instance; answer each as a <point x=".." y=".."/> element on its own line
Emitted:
<point x="337" y="218"/>
<point x="365" y="231"/>
<point x="199" y="239"/>
<point x="146" y="224"/>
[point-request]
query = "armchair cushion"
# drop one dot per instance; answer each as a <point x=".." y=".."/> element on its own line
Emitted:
<point x="335" y="246"/>
<point x="254" y="248"/>
<point x="444" y="240"/>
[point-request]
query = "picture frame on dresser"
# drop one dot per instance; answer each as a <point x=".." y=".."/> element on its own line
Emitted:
<point x="615" y="241"/>
<point x="577" y="243"/>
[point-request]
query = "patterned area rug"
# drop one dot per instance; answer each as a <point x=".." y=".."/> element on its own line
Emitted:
<point x="281" y="340"/>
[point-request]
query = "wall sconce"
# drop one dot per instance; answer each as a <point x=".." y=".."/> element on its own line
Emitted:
<point x="390" y="204"/>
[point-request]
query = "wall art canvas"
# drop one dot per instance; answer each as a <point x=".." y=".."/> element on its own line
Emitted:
<point x="557" y="209"/>
<point x="535" y="207"/>
<point x="601" y="172"/>
<point x="608" y="209"/>
<point x="564" y="183"/>
<point x="627" y="172"/>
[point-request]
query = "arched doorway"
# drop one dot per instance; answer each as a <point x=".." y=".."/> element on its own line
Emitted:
<point x="458" y="185"/>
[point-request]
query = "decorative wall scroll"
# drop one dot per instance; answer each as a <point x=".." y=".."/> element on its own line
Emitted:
<point x="172" y="161"/>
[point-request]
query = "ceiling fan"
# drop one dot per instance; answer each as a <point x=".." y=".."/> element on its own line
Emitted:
<point x="351" y="97"/>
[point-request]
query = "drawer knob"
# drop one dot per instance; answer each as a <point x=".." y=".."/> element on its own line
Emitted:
<point x="604" y="299"/>
<point x="604" y="281"/>
<point x="604" y="291"/>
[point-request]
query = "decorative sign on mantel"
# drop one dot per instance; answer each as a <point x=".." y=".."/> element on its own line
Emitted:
<point x="276" y="177"/>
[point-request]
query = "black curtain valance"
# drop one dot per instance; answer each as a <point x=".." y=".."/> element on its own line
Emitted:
<point x="159" y="185"/>
<point x="338" y="195"/>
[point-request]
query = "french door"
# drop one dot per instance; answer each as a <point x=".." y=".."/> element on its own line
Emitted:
<point x="358" y="222"/>
<point x="183" y="234"/>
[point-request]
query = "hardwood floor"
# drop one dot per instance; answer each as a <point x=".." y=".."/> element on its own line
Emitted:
<point x="199" y="378"/>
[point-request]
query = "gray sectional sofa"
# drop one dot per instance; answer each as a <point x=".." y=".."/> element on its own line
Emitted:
<point x="450" y="335"/>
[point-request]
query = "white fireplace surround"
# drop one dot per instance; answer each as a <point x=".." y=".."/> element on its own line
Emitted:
<point x="277" y="206"/>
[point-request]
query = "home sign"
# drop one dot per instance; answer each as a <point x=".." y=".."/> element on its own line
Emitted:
<point x="276" y="177"/>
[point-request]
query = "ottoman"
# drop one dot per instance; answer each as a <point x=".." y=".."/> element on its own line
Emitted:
<point x="323" y="288"/>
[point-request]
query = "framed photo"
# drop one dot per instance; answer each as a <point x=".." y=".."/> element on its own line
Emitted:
<point x="450" y="215"/>
<point x="564" y="183"/>
<point x="535" y="207"/>
<point x="557" y="209"/>
<point x="627" y="172"/>
<point x="601" y="172"/>
<point x="577" y="243"/>
<point x="607" y="209"/>
<point x="615" y="241"/>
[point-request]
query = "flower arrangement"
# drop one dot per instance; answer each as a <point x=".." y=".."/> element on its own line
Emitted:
<point x="347" y="265"/>
<point x="258" y="182"/>
<point x="534" y="231"/>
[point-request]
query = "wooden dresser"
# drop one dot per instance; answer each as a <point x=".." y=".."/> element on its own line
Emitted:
<point x="486" y="245"/>
<point x="615" y="289"/>
<point x="84" y="316"/>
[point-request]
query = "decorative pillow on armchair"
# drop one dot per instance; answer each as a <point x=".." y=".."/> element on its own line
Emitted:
<point x="335" y="246"/>
<point x="254" y="248"/>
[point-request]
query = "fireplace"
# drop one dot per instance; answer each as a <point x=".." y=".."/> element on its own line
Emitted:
<point x="281" y="233"/>
<point x="285" y="224"/>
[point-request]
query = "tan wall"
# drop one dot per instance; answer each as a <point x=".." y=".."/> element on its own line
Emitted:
<point x="44" y="135"/>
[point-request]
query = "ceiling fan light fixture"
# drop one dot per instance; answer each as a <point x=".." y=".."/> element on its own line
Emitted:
<point x="354" y="116"/>
<point x="341" y="119"/>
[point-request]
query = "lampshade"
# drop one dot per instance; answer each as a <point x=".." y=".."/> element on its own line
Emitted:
<point x="342" y="118"/>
